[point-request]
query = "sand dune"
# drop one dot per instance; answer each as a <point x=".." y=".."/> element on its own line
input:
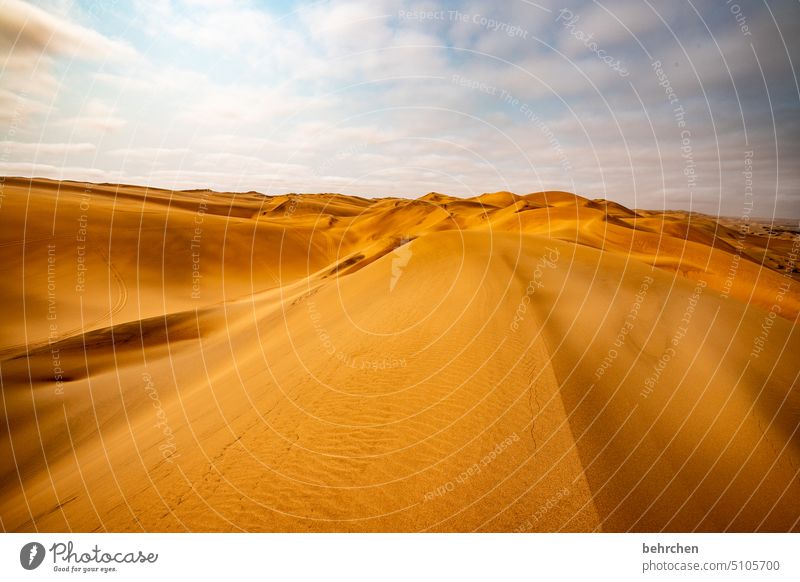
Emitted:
<point x="200" y="361"/>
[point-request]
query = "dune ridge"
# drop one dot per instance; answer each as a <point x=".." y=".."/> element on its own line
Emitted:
<point x="203" y="361"/>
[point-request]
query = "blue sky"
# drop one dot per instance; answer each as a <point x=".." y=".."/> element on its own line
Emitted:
<point x="384" y="98"/>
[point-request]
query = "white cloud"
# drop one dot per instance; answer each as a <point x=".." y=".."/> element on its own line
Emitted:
<point x="60" y="172"/>
<point x="349" y="26"/>
<point x="148" y="153"/>
<point x="27" y="29"/>
<point x="38" y="148"/>
<point x="94" y="117"/>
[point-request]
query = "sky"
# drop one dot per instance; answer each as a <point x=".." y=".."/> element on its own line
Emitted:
<point x="667" y="104"/>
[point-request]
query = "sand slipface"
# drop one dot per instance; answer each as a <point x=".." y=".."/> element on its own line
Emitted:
<point x="197" y="361"/>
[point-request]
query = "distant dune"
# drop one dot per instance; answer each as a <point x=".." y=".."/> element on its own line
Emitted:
<point x="200" y="361"/>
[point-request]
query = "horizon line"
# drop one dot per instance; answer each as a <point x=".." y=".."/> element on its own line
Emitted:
<point x="4" y="178"/>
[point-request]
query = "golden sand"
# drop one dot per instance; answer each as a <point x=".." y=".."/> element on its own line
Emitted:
<point x="176" y="361"/>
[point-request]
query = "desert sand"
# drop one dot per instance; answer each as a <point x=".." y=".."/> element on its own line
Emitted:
<point x="201" y="361"/>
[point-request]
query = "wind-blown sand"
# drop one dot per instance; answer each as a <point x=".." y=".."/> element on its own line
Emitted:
<point x="332" y="363"/>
